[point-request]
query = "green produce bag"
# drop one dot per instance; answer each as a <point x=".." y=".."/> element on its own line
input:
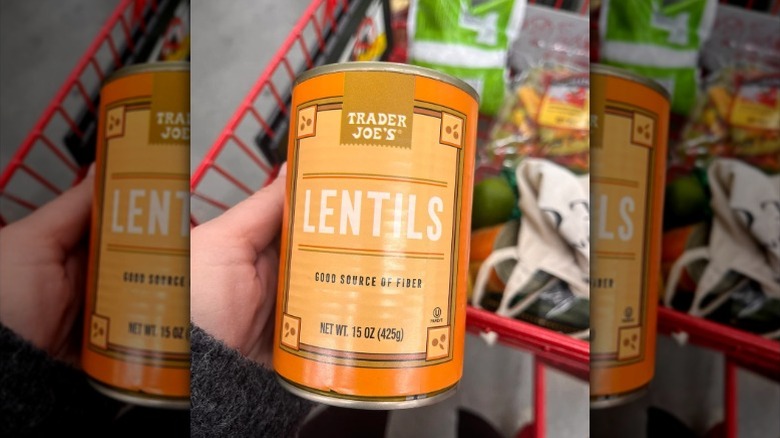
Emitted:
<point x="659" y="39"/>
<point x="468" y="39"/>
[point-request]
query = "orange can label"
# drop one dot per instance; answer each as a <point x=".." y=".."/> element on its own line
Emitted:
<point x="374" y="260"/>
<point x="137" y="314"/>
<point x="628" y="152"/>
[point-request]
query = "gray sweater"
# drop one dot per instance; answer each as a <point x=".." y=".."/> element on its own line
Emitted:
<point x="40" y="396"/>
<point x="235" y="397"/>
<point x="231" y="397"/>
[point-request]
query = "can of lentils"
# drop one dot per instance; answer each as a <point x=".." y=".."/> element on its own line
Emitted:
<point x="136" y="334"/>
<point x="629" y="131"/>
<point x="373" y="274"/>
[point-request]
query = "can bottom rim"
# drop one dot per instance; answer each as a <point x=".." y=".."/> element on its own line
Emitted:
<point x="610" y="401"/>
<point x="138" y="399"/>
<point x="355" y="402"/>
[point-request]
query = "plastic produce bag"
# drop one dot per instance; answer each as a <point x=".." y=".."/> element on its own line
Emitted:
<point x="738" y="116"/>
<point x="547" y="115"/>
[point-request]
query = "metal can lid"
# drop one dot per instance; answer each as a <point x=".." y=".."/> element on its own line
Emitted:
<point x="149" y="67"/>
<point x="388" y="67"/>
<point x="609" y="70"/>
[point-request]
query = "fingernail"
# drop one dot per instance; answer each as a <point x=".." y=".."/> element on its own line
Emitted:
<point x="283" y="170"/>
<point x="91" y="170"/>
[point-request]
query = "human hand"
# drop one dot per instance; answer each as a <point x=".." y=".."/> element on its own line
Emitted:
<point x="234" y="268"/>
<point x="43" y="272"/>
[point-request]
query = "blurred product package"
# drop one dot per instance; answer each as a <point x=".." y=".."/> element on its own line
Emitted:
<point x="467" y="39"/>
<point x="742" y="37"/>
<point x="547" y="115"/>
<point x="371" y="39"/>
<point x="738" y="116"/>
<point x="551" y="36"/>
<point x="174" y="44"/>
<point x="658" y="39"/>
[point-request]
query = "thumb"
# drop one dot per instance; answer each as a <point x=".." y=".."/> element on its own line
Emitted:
<point x="258" y="218"/>
<point x="64" y="220"/>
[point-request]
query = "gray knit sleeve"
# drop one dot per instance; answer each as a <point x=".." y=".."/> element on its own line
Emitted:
<point x="235" y="397"/>
<point x="41" y="396"/>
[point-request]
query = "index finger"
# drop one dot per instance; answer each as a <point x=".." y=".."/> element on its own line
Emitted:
<point x="66" y="218"/>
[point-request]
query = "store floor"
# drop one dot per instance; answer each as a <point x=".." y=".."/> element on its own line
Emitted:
<point x="232" y="43"/>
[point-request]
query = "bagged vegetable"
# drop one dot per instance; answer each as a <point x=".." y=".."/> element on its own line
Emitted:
<point x="658" y="39"/>
<point x="547" y="115"/>
<point x="738" y="116"/>
<point x="468" y="39"/>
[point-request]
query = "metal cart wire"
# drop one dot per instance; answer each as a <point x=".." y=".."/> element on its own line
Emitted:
<point x="48" y="160"/>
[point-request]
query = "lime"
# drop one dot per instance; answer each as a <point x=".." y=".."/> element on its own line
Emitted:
<point x="686" y="202"/>
<point x="494" y="201"/>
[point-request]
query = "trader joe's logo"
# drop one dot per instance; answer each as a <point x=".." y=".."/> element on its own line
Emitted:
<point x="377" y="109"/>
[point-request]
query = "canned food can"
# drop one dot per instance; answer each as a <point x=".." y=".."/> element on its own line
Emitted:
<point x="136" y="332"/>
<point x="629" y="131"/>
<point x="374" y="261"/>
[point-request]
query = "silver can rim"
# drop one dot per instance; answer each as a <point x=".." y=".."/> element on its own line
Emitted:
<point x="365" y="404"/>
<point x="149" y="67"/>
<point x="394" y="67"/>
<point x="609" y="70"/>
<point x="611" y="401"/>
<point x="148" y="401"/>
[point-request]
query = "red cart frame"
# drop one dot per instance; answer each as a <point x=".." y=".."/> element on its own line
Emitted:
<point x="42" y="167"/>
